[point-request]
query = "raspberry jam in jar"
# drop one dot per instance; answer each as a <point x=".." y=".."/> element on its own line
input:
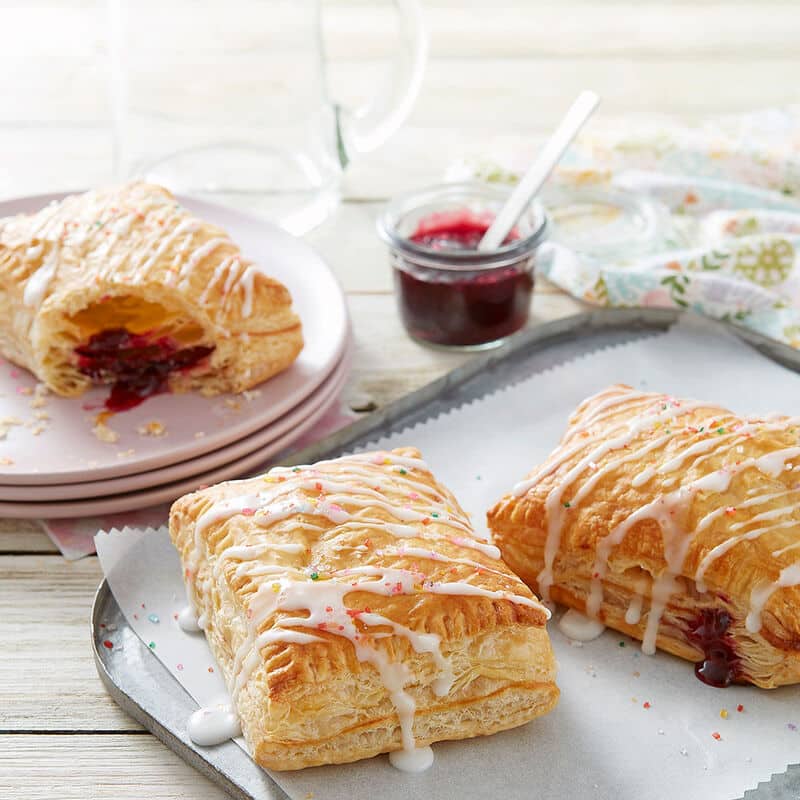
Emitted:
<point x="448" y="293"/>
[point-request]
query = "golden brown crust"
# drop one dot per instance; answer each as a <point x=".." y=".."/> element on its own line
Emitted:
<point x="648" y="495"/>
<point x="132" y="257"/>
<point x="391" y="587"/>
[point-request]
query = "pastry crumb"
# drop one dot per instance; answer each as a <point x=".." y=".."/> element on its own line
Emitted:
<point x="37" y="429"/>
<point x="42" y="416"/>
<point x="233" y="403"/>
<point x="152" y="428"/>
<point x="7" y="423"/>
<point x="199" y="434"/>
<point x="6" y="461"/>
<point x="104" y="433"/>
<point x="126" y="453"/>
<point x="26" y="390"/>
<point x="40" y="394"/>
<point x="251" y="394"/>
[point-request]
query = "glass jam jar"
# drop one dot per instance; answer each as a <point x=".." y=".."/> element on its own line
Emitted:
<point x="448" y="293"/>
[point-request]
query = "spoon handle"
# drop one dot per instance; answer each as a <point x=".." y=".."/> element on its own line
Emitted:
<point x="540" y="170"/>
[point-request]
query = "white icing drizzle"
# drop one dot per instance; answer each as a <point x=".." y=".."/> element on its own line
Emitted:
<point x="633" y="614"/>
<point x="199" y="254"/>
<point x="37" y="284"/>
<point x="246" y="282"/>
<point x="222" y="268"/>
<point x="789" y="576"/>
<point x="578" y="627"/>
<point x="213" y="725"/>
<point x="349" y="489"/>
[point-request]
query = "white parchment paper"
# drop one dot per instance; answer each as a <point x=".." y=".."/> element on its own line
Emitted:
<point x="627" y="725"/>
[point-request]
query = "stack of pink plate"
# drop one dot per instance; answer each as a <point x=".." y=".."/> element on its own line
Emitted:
<point x="54" y="462"/>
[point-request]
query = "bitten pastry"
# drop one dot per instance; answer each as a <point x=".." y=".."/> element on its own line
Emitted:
<point x="674" y="521"/>
<point x="354" y="612"/>
<point x="124" y="286"/>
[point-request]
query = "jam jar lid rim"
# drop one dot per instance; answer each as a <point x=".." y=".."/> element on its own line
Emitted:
<point x="461" y="258"/>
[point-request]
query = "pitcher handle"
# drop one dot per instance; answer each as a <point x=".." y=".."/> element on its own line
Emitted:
<point x="367" y="127"/>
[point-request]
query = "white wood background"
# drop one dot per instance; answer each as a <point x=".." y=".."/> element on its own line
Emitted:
<point x="496" y="67"/>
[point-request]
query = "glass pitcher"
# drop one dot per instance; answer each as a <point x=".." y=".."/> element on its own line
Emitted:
<point x="229" y="101"/>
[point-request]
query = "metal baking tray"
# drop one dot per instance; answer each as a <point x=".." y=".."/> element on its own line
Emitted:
<point x="144" y="688"/>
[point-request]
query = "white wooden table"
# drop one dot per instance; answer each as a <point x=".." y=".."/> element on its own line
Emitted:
<point x="505" y="65"/>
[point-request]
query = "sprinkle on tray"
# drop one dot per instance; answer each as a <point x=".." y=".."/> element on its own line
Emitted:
<point x="723" y="713"/>
<point x="152" y="645"/>
<point x="154" y="619"/>
<point x="716" y="735"/>
<point x="740" y="708"/>
<point x="791" y="726"/>
<point x="108" y="644"/>
<point x="646" y="704"/>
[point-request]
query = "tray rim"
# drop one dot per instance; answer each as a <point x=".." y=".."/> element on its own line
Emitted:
<point x="634" y="319"/>
<point x="642" y="319"/>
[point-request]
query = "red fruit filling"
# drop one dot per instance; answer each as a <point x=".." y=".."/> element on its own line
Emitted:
<point x="709" y="633"/>
<point x="137" y="365"/>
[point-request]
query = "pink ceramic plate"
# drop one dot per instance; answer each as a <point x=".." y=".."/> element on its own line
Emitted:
<point x="62" y="448"/>
<point x="322" y="396"/>
<point x="115" y="504"/>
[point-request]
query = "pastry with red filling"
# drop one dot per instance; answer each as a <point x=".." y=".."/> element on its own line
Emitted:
<point x="674" y="521"/>
<point x="126" y="287"/>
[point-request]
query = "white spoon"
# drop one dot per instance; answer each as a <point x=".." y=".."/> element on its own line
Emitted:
<point x="539" y="171"/>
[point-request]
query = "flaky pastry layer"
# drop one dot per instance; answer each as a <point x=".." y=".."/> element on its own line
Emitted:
<point x="353" y="612"/>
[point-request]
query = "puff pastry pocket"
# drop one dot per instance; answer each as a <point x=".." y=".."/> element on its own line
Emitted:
<point x="674" y="521"/>
<point x="125" y="286"/>
<point x="353" y="612"/>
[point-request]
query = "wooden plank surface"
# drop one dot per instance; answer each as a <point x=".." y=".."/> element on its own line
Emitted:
<point x="506" y="67"/>
<point x="100" y="767"/>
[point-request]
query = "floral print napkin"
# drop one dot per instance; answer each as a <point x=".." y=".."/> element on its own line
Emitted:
<point x="729" y="190"/>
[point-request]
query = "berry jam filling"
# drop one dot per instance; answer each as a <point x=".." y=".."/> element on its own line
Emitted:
<point x="462" y="306"/>
<point x="708" y="633"/>
<point x="137" y="366"/>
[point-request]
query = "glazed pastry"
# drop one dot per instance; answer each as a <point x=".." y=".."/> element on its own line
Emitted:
<point x="674" y="521"/>
<point x="125" y="286"/>
<point x="353" y="612"/>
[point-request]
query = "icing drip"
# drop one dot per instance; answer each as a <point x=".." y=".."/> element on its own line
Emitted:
<point x="790" y="576"/>
<point x="578" y="627"/>
<point x="188" y="620"/>
<point x="417" y="760"/>
<point x="213" y="725"/>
